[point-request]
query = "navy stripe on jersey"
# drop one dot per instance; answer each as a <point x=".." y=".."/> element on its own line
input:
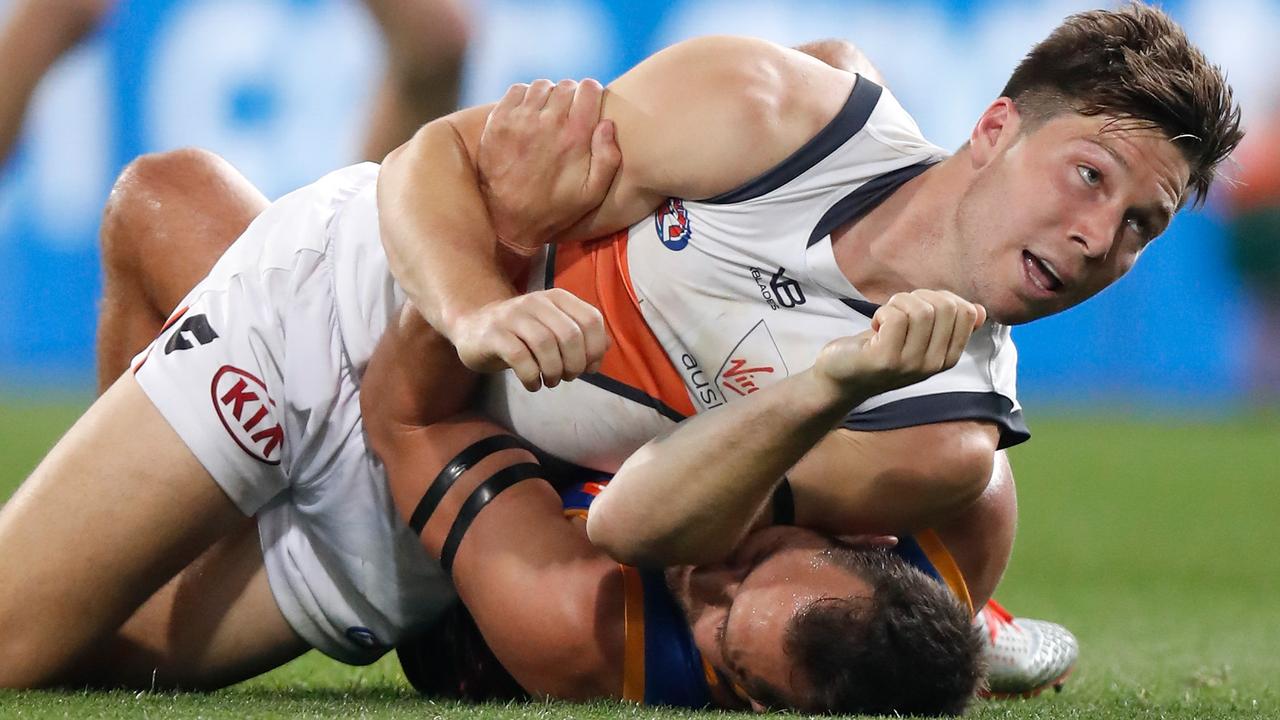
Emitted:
<point x="943" y="407"/>
<point x="549" y="275"/>
<point x="617" y="387"/>
<point x="865" y="199"/>
<point x="865" y="308"/>
<point x="847" y="123"/>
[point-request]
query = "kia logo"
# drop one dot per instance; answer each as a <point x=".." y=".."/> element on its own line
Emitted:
<point x="246" y="412"/>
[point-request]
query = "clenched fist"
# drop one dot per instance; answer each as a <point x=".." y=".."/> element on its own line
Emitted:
<point x="544" y="336"/>
<point x="912" y="337"/>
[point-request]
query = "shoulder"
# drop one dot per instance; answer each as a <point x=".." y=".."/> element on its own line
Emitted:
<point x="747" y="103"/>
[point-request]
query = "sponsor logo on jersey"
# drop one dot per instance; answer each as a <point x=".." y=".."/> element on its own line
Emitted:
<point x="245" y="410"/>
<point x="754" y="363"/>
<point x="779" y="290"/>
<point x="672" y="223"/>
<point x="704" y="389"/>
<point x="193" y="331"/>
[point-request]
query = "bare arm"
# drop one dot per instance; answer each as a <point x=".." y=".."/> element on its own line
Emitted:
<point x="755" y="104"/>
<point x="844" y="55"/>
<point x="760" y="437"/>
<point x="563" y="638"/>
<point x="980" y="538"/>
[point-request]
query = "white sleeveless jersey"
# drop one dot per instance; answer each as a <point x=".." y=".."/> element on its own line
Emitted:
<point x="709" y="301"/>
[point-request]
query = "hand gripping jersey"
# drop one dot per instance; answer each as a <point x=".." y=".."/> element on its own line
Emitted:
<point x="709" y="301"/>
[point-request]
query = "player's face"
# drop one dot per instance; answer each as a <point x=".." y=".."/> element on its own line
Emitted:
<point x="738" y="610"/>
<point x="1063" y="211"/>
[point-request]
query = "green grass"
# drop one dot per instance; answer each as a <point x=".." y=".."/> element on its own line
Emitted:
<point x="1155" y="542"/>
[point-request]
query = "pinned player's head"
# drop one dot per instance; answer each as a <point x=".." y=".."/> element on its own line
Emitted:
<point x="799" y="620"/>
<point x="1105" y="129"/>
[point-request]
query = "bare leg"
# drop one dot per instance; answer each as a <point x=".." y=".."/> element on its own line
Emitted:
<point x="121" y="555"/>
<point x="213" y="625"/>
<point x="169" y="218"/>
<point x="981" y="536"/>
<point x="119" y="506"/>
<point x="426" y="42"/>
<point x="37" y="34"/>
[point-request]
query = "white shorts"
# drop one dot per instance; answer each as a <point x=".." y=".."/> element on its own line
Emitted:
<point x="254" y="375"/>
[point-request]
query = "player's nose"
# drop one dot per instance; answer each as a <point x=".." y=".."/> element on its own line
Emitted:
<point x="1094" y="232"/>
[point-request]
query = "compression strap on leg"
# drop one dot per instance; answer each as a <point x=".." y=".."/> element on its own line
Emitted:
<point x="784" y="504"/>
<point x="461" y="463"/>
<point x="479" y="498"/>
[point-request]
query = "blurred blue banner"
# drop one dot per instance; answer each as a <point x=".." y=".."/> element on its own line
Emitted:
<point x="281" y="88"/>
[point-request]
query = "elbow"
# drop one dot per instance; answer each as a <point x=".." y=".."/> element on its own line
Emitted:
<point x="627" y="541"/>
<point x="615" y="537"/>
<point x="635" y="542"/>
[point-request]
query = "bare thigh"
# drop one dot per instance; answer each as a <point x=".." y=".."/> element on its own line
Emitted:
<point x="121" y="555"/>
<point x="213" y="625"/>
<point x="118" y="508"/>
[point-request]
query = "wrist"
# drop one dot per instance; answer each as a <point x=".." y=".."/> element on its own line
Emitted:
<point x="831" y="397"/>
<point x="452" y="318"/>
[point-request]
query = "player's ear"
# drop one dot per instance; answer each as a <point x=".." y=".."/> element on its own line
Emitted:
<point x="995" y="129"/>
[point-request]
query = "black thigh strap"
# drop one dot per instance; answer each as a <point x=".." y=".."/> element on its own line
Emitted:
<point x="784" y="504"/>
<point x="481" y="496"/>
<point x="461" y="463"/>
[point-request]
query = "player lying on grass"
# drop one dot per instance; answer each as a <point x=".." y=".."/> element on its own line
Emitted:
<point x="555" y="616"/>
<point x="216" y="618"/>
<point x="296" y="306"/>
<point x="819" y="199"/>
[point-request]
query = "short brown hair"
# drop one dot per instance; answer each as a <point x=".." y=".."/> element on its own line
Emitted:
<point x="909" y="649"/>
<point x="1135" y="64"/>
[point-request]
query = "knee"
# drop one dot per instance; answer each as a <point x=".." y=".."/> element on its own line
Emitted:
<point x="142" y="196"/>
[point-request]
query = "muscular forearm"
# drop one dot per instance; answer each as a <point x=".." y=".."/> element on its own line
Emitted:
<point x="669" y="505"/>
<point x="432" y="216"/>
<point x="689" y="496"/>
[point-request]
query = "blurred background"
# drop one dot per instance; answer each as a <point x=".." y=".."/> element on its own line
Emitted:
<point x="282" y="89"/>
<point x="1148" y="503"/>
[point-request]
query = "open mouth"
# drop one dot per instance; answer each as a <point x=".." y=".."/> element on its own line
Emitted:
<point x="1041" y="272"/>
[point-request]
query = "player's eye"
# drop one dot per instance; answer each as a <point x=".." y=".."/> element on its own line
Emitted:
<point x="1090" y="175"/>
<point x="1139" y="226"/>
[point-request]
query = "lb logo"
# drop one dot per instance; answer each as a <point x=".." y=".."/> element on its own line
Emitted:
<point x="246" y="412"/>
<point x="672" y="223"/>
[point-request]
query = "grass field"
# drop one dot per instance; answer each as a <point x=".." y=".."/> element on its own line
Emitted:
<point x="1155" y="542"/>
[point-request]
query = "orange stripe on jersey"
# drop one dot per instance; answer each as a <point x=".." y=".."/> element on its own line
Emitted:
<point x="633" y="635"/>
<point x="174" y="318"/>
<point x="167" y="324"/>
<point x="938" y="554"/>
<point x="597" y="272"/>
